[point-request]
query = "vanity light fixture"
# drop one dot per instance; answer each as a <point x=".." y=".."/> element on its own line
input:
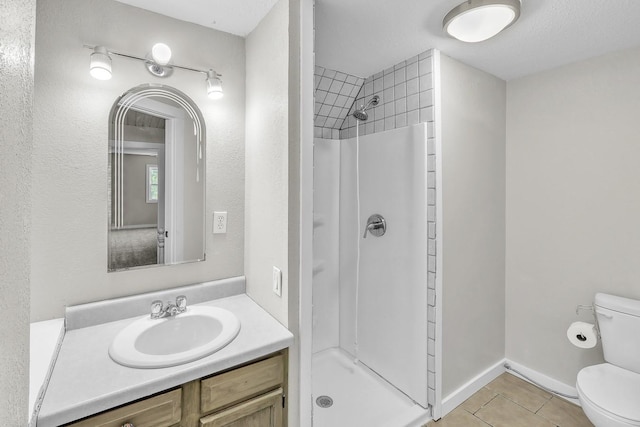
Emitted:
<point x="157" y="64"/>
<point x="100" y="64"/>
<point x="214" y="85"/>
<point x="478" y="20"/>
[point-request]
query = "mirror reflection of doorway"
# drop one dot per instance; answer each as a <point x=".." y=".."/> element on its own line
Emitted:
<point x="157" y="164"/>
<point x="139" y="239"/>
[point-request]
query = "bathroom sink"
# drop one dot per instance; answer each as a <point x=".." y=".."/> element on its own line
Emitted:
<point x="170" y="341"/>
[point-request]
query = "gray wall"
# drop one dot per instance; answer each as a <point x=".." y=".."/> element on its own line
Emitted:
<point x="134" y="194"/>
<point x="473" y="170"/>
<point x="267" y="150"/>
<point x="16" y="146"/>
<point x="572" y="204"/>
<point x="69" y="245"/>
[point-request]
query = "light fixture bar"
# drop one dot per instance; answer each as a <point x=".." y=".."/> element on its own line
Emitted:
<point x="125" y="55"/>
<point x="100" y="66"/>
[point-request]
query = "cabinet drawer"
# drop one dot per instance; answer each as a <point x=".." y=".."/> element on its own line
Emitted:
<point x="240" y="384"/>
<point x="162" y="410"/>
<point x="262" y="411"/>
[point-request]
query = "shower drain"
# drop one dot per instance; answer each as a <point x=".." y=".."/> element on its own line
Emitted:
<point x="324" y="401"/>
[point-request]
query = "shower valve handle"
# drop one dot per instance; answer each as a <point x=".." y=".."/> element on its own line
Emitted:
<point x="376" y="225"/>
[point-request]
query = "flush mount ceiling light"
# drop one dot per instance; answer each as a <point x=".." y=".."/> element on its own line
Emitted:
<point x="478" y="20"/>
<point x="157" y="63"/>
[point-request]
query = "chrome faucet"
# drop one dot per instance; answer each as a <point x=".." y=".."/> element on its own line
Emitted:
<point x="376" y="225"/>
<point x="158" y="311"/>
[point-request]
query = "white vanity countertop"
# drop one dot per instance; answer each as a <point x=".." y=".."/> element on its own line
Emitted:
<point x="45" y="339"/>
<point x="86" y="381"/>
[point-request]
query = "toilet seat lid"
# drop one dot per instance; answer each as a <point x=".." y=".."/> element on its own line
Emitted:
<point x="613" y="389"/>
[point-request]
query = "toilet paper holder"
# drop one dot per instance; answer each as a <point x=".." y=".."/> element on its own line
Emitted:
<point x="592" y="309"/>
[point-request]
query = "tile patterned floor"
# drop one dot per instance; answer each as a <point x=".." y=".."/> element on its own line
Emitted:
<point x="509" y="401"/>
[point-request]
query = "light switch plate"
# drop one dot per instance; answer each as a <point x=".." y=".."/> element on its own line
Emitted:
<point x="277" y="281"/>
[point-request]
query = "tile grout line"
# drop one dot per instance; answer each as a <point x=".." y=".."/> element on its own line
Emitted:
<point x="478" y="418"/>
<point x="486" y="403"/>
<point x="517" y="404"/>
<point x="526" y="409"/>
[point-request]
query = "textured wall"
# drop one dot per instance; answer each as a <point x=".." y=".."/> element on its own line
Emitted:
<point x="16" y="145"/>
<point x="69" y="245"/>
<point x="473" y="201"/>
<point x="572" y="204"/>
<point x="267" y="151"/>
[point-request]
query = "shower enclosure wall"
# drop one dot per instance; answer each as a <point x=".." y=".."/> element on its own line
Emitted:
<point x="373" y="297"/>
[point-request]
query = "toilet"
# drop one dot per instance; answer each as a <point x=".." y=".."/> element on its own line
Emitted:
<point x="610" y="392"/>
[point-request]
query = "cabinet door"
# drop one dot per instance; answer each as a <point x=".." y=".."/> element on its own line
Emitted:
<point x="241" y="384"/>
<point x="261" y="411"/>
<point x="159" y="411"/>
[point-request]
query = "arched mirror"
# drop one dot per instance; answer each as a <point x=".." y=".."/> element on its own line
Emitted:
<point x="156" y="180"/>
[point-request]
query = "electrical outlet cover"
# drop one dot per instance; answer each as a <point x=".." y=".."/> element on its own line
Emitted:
<point x="219" y="222"/>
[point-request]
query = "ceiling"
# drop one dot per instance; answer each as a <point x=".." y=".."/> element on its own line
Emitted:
<point x="231" y="16"/>
<point x="363" y="37"/>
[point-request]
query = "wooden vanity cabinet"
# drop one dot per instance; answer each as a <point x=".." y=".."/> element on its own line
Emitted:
<point x="252" y="395"/>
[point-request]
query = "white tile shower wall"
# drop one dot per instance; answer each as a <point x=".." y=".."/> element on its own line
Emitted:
<point x="335" y="93"/>
<point x="406" y="98"/>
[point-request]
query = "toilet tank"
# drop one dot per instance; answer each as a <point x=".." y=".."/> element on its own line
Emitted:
<point x="619" y="323"/>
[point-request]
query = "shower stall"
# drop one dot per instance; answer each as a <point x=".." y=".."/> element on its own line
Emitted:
<point x="374" y="247"/>
<point x="391" y="344"/>
<point x="370" y="295"/>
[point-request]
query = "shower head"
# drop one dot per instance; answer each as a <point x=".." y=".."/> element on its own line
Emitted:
<point x="361" y="113"/>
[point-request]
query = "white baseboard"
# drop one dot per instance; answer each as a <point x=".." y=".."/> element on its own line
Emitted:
<point x="544" y="380"/>
<point x="466" y="391"/>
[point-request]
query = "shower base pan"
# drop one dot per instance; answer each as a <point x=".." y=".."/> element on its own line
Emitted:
<point x="359" y="396"/>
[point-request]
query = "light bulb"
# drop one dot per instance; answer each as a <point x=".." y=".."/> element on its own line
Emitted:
<point x="161" y="53"/>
